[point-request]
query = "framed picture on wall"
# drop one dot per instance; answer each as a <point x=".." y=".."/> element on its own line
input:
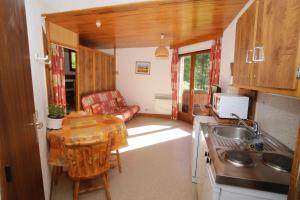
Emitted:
<point x="142" y="67"/>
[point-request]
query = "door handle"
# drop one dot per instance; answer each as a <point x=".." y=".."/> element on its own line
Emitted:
<point x="36" y="123"/>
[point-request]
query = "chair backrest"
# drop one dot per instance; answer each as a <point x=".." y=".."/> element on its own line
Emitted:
<point x="89" y="160"/>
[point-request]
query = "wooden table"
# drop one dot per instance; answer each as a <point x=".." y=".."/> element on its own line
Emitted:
<point x="84" y="129"/>
<point x="80" y="128"/>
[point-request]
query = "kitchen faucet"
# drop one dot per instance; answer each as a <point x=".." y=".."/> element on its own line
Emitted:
<point x="255" y="127"/>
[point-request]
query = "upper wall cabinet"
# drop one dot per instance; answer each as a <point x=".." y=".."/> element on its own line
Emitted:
<point x="267" y="53"/>
<point x="245" y="33"/>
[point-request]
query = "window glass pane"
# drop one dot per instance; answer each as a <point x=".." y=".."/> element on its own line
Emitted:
<point x="202" y="68"/>
<point x="73" y="59"/>
<point x="184" y="83"/>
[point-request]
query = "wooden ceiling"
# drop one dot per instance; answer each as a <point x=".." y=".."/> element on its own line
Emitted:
<point x="140" y="24"/>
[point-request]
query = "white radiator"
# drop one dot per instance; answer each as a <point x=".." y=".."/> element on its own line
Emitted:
<point x="163" y="104"/>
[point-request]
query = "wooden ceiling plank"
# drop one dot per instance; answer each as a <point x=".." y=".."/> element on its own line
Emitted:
<point x="140" y="24"/>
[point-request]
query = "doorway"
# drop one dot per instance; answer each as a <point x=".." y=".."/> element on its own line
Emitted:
<point x="193" y="83"/>
<point x="70" y="58"/>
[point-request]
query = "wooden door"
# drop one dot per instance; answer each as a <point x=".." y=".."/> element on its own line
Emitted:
<point x="244" y="43"/>
<point x="278" y="35"/>
<point x="19" y="146"/>
<point x="85" y="71"/>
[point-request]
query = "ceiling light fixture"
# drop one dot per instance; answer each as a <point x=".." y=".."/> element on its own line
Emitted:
<point x="161" y="51"/>
<point x="98" y="23"/>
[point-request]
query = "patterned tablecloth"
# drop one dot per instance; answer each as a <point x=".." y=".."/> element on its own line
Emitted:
<point x="79" y="129"/>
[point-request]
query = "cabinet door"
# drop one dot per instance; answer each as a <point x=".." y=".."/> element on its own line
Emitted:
<point x="277" y="33"/>
<point x="85" y="71"/>
<point x="244" y="43"/>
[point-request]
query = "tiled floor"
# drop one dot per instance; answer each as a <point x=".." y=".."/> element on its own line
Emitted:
<point x="156" y="165"/>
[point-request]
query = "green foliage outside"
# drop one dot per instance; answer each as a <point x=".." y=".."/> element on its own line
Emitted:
<point x="73" y="59"/>
<point x="56" y="111"/>
<point x="186" y="72"/>
<point x="202" y="67"/>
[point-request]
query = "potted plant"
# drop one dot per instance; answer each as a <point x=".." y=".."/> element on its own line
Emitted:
<point x="55" y="117"/>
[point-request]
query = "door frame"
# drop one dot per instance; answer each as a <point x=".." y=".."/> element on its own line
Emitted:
<point x="189" y="116"/>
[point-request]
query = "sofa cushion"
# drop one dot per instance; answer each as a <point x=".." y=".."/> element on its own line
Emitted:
<point x="126" y="113"/>
<point x="109" y="102"/>
<point x="103" y="108"/>
<point x="121" y="102"/>
<point x="92" y="99"/>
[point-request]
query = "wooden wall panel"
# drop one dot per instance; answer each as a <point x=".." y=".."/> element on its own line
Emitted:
<point x="95" y="72"/>
<point x="104" y="70"/>
<point x="85" y="71"/>
<point x="62" y="36"/>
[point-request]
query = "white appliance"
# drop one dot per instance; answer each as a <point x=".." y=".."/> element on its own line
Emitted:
<point x="196" y="143"/>
<point x="225" y="104"/>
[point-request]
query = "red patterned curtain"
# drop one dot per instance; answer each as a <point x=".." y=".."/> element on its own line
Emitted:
<point x="58" y="75"/>
<point x="215" y="59"/>
<point x="174" y="83"/>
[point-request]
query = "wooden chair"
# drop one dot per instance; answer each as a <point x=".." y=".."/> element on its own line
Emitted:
<point x="88" y="162"/>
<point x="118" y="160"/>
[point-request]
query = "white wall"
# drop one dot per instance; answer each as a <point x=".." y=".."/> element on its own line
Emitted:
<point x="141" y="89"/>
<point x="196" y="47"/>
<point x="67" y="5"/>
<point x="107" y="51"/>
<point x="34" y="25"/>
<point x="280" y="116"/>
<point x="277" y="115"/>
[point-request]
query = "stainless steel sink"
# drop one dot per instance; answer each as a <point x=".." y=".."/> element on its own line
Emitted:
<point x="233" y="132"/>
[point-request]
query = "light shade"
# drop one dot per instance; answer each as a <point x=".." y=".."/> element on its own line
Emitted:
<point x="161" y="51"/>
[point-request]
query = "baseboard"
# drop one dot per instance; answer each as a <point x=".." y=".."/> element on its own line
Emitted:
<point x="154" y="115"/>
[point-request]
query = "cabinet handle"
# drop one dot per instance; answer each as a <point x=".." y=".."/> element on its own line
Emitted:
<point x="207" y="160"/>
<point x="258" y="52"/>
<point x="206" y="154"/>
<point x="247" y="57"/>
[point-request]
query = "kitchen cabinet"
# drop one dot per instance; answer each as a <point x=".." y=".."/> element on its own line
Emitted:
<point x="267" y="51"/>
<point x="244" y="44"/>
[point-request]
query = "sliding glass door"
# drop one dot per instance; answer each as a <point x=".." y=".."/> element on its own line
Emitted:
<point x="193" y="83"/>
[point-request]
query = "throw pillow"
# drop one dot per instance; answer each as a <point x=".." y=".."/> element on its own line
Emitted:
<point x="121" y="102"/>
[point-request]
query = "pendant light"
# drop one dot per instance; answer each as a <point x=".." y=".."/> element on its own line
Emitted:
<point x="161" y="51"/>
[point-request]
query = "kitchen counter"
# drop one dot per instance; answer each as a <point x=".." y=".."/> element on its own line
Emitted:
<point x="260" y="177"/>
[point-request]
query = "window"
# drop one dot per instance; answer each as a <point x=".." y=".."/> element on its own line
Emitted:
<point x="193" y="81"/>
<point x="202" y="68"/>
<point x="72" y="60"/>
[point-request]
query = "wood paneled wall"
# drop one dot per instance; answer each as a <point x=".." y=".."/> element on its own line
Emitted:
<point x="95" y="72"/>
<point x="62" y="36"/>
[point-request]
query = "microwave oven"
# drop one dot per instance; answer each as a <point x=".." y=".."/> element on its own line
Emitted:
<point x="225" y="104"/>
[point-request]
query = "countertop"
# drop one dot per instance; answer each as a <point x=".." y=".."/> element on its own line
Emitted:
<point x="260" y="177"/>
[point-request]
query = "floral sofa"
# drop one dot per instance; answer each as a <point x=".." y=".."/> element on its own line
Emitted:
<point x="109" y="102"/>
